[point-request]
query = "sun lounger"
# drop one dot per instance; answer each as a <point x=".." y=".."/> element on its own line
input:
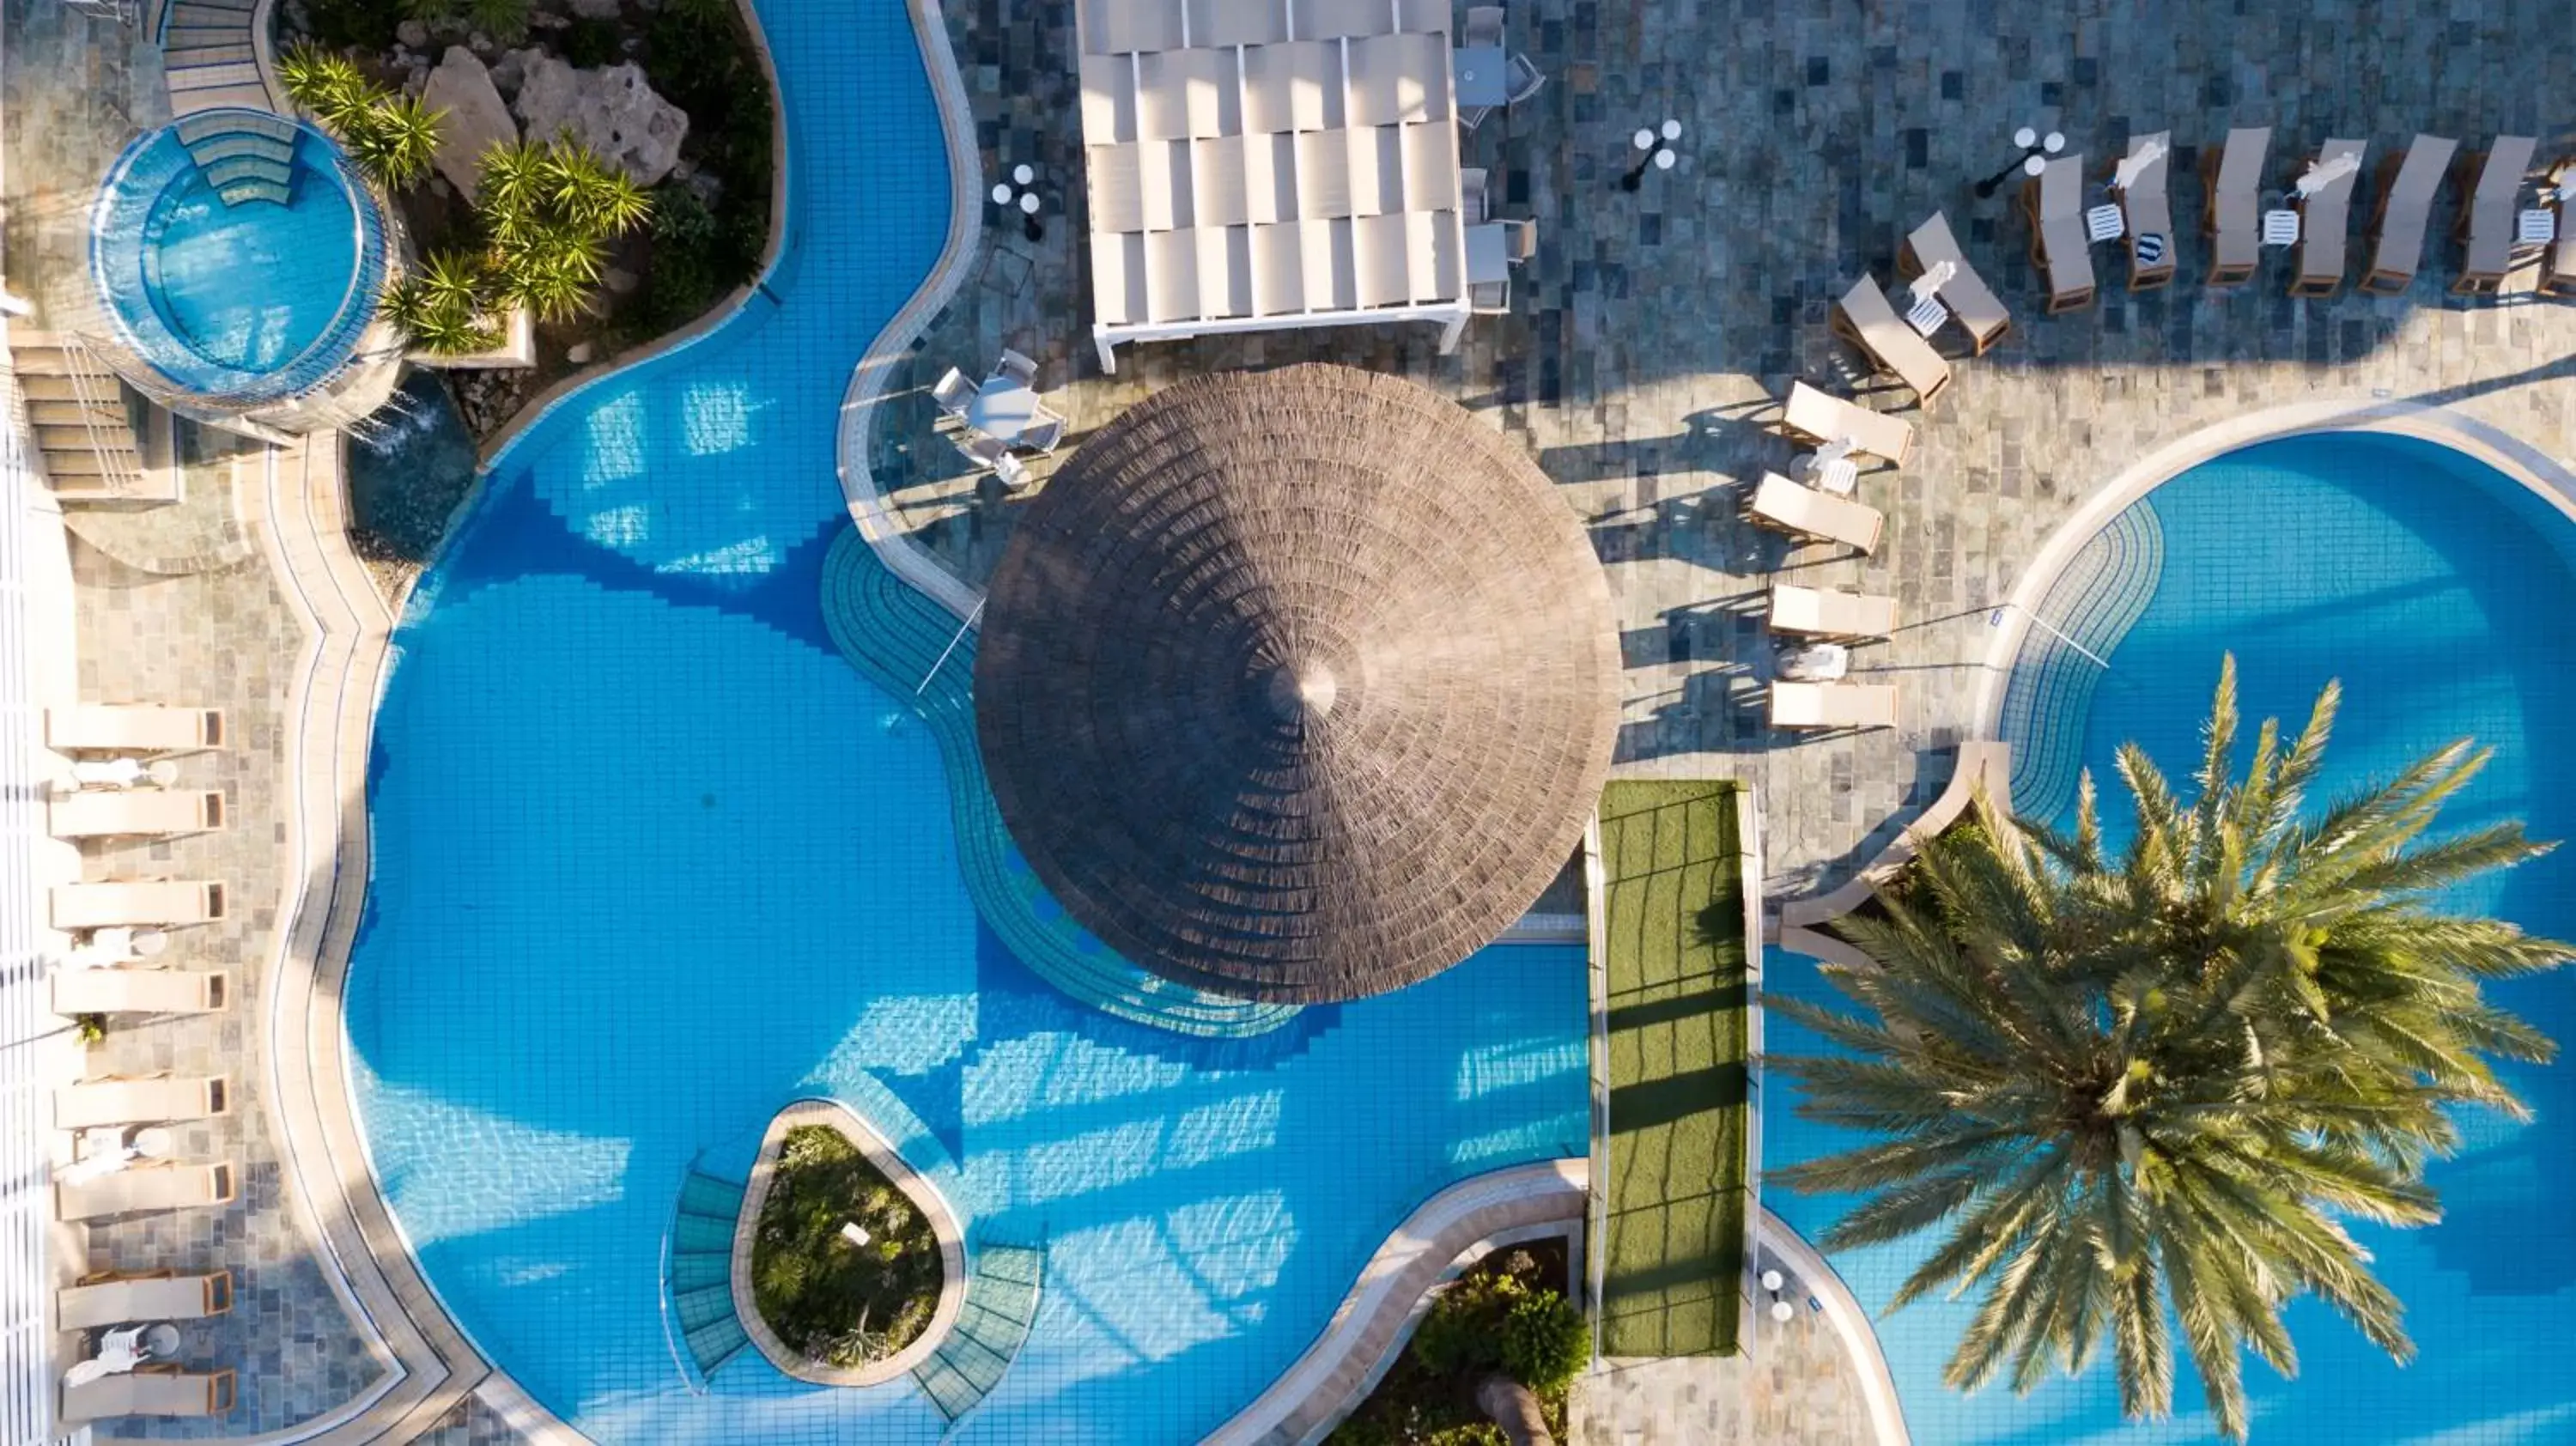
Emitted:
<point x="1865" y="319"/>
<point x="133" y="728"/>
<point x="2405" y="210"/>
<point x="2325" y="217"/>
<point x="1784" y="506"/>
<point x="1815" y="612"/>
<point x="2558" y="272"/>
<point x="2054" y="202"/>
<point x="1972" y="303"/>
<point x="111" y="902"/>
<point x="2148" y="209"/>
<point x="2235" y="209"/>
<point x="157" y="1186"/>
<point x="140" y="991"/>
<point x="141" y="1100"/>
<point x="2488" y="219"/>
<point x="114" y="1299"/>
<point x="153" y="1390"/>
<point x="1821" y="417"/>
<point x="1833" y="705"/>
<point x="128" y="812"/>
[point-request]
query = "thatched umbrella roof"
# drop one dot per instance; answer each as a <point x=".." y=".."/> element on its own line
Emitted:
<point x="1297" y="685"/>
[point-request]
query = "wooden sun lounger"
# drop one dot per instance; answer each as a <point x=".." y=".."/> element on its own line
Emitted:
<point x="2054" y="202"/>
<point x="1972" y="303"/>
<point x="158" y="1185"/>
<point x="2405" y="211"/>
<point x="1830" y="612"/>
<point x="110" y="902"/>
<point x="135" y="990"/>
<point x="1821" y="417"/>
<point x="2235" y="218"/>
<point x="1833" y="705"/>
<point x="1784" y="506"/>
<point x="133" y="728"/>
<point x="114" y="1299"/>
<point x="161" y="1389"/>
<point x="129" y="812"/>
<point x="2487" y="220"/>
<point x="2147" y="206"/>
<point x="141" y="1100"/>
<point x="2324" y="219"/>
<point x="1865" y="318"/>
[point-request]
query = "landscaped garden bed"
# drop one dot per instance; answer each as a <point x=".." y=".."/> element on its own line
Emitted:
<point x="1509" y="1318"/>
<point x="669" y="95"/>
<point x="838" y="1297"/>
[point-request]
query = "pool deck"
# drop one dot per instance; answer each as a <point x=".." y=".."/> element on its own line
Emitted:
<point x="1645" y="341"/>
<point x="1650" y="336"/>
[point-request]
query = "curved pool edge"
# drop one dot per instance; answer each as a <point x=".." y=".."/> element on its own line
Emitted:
<point x="2480" y="441"/>
<point x="868" y="507"/>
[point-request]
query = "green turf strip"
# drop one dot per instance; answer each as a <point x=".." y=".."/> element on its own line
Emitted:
<point x="1674" y="932"/>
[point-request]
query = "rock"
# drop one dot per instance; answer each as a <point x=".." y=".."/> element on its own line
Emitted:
<point x="480" y="43"/>
<point x="476" y="118"/>
<point x="595" y="9"/>
<point x="707" y="187"/>
<point x="416" y="79"/>
<point x="543" y="21"/>
<point x="631" y="44"/>
<point x="412" y="33"/>
<point x="620" y="282"/>
<point x="579" y="353"/>
<point x="299" y="17"/>
<point x="613" y="111"/>
<point x="438" y="187"/>
<point x="511" y="68"/>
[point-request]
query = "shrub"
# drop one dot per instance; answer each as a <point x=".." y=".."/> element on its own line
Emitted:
<point x="440" y="305"/>
<point x="1545" y="1343"/>
<point x="825" y="1299"/>
<point x="504" y="20"/>
<point x="548" y="211"/>
<point x="588" y="44"/>
<point x="1462" y="1333"/>
<point x="391" y="137"/>
<point x="325" y="82"/>
<point x="89" y="1028"/>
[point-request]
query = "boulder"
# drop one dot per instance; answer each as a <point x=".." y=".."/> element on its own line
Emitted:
<point x="476" y="118"/>
<point x="595" y="9"/>
<point x="412" y="33"/>
<point x="512" y="68"/>
<point x="613" y="111"/>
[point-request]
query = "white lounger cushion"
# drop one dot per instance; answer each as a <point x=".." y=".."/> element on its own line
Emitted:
<point x="1784" y="504"/>
<point x="110" y="902"/>
<point x="1830" y="613"/>
<point x="1833" y="705"/>
<point x="141" y="1101"/>
<point x="160" y="1296"/>
<point x="154" y="1390"/>
<point x="1823" y="417"/>
<point x="133" y="728"/>
<point x="131" y="812"/>
<point x="158" y="1186"/>
<point x="138" y="990"/>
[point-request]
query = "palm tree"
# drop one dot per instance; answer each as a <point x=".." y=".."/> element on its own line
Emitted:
<point x="324" y="82"/>
<point x="2147" y="1090"/>
<point x="440" y="306"/>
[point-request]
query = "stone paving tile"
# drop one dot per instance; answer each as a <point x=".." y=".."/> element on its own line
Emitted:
<point x="1792" y="1383"/>
<point x="1651" y="331"/>
<point x="76" y="87"/>
<point x="472" y="1424"/>
<point x="224" y="639"/>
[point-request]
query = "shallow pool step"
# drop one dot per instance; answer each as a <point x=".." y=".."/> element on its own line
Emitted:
<point x="224" y="76"/>
<point x="205" y="15"/>
<point x="702" y="1230"/>
<point x="1001" y="1304"/>
<point x="207" y="126"/>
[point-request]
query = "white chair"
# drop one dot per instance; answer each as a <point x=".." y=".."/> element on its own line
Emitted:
<point x="1484" y="26"/>
<point x="1489" y="298"/>
<point x="954" y="393"/>
<point x="1520" y="240"/>
<point x="1017" y="368"/>
<point x="1473" y="202"/>
<point x="983" y="451"/>
<point x="1521" y="80"/>
<point x="1043" y="434"/>
<point x="1014" y="476"/>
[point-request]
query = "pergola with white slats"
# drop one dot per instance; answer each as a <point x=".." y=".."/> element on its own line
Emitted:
<point x="1255" y="165"/>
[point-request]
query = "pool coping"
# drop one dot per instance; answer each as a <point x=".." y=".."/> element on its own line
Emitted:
<point x="869" y="507"/>
<point x="882" y="1156"/>
<point x="2481" y="441"/>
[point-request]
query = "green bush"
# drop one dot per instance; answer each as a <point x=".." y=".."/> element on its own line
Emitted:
<point x="440" y="305"/>
<point x="504" y="20"/>
<point x="1545" y="1343"/>
<point x="366" y="23"/>
<point x="391" y="137"/>
<point x="837" y="1304"/>
<point x="588" y="44"/>
<point x="1462" y="1333"/>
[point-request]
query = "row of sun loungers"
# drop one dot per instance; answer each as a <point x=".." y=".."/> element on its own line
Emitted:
<point x="2062" y="241"/>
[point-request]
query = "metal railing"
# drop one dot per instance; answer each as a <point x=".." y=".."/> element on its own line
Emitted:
<point x="120" y="464"/>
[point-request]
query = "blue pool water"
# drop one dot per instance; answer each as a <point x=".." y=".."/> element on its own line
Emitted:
<point x="651" y="859"/>
<point x="263" y="293"/>
<point x="2439" y="592"/>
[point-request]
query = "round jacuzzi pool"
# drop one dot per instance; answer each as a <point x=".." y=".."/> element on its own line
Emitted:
<point x="237" y="254"/>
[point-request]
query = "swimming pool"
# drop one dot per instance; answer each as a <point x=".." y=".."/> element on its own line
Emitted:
<point x="2437" y="590"/>
<point x="237" y="254"/>
<point x="652" y="859"/>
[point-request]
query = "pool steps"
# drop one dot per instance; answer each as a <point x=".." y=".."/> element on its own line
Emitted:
<point x="701" y="1280"/>
<point x="2049" y="693"/>
<point x="895" y="636"/>
<point x="209" y="57"/>
<point x="244" y="155"/>
<point x="93" y="446"/>
<point x="1001" y="1304"/>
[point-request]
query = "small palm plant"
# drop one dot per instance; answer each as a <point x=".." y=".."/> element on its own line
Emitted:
<point x="440" y="305"/>
<point x="2146" y="1090"/>
<point x="504" y="20"/>
<point x="397" y="142"/>
<point x="549" y="210"/>
<point x="551" y="271"/>
<point x="325" y="83"/>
